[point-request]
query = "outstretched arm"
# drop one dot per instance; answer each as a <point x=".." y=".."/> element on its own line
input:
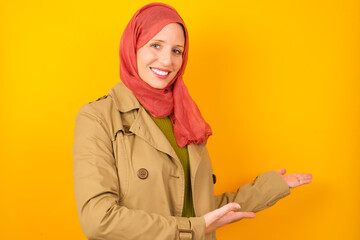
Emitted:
<point x="263" y="192"/>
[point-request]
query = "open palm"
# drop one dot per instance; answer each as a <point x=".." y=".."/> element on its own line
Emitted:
<point x="295" y="179"/>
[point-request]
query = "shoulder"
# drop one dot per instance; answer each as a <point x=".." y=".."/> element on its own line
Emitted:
<point x="103" y="112"/>
<point x="97" y="107"/>
<point x="100" y="109"/>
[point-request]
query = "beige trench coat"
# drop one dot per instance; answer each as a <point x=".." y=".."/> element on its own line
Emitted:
<point x="129" y="182"/>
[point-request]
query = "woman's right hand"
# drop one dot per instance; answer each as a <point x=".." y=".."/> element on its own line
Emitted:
<point x="224" y="215"/>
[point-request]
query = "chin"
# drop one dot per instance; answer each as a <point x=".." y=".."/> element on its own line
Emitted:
<point x="159" y="85"/>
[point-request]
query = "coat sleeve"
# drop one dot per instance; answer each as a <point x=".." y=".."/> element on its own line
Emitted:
<point x="262" y="193"/>
<point x="97" y="192"/>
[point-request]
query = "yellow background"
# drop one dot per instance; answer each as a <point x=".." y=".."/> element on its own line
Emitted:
<point x="278" y="81"/>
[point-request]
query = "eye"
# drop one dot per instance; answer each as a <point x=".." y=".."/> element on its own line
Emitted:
<point x="155" y="45"/>
<point x="177" y="51"/>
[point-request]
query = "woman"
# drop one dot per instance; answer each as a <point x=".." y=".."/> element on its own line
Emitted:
<point x="141" y="167"/>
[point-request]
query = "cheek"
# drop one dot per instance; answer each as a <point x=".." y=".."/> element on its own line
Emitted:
<point x="178" y="64"/>
<point x="149" y="57"/>
<point x="144" y="58"/>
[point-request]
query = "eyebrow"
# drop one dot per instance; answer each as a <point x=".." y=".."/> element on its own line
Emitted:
<point x="158" y="40"/>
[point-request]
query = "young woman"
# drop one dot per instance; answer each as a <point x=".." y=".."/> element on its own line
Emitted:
<point x="141" y="166"/>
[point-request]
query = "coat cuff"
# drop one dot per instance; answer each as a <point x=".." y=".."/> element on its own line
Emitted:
<point x="190" y="228"/>
<point x="275" y="184"/>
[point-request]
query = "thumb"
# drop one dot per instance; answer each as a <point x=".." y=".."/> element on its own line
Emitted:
<point x="281" y="171"/>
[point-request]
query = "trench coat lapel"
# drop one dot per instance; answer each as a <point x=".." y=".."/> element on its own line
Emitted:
<point x="195" y="156"/>
<point x="143" y="126"/>
<point x="147" y="129"/>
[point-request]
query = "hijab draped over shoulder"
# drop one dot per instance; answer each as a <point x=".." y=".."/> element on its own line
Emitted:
<point x="174" y="100"/>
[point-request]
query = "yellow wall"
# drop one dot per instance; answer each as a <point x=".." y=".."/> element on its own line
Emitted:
<point x="278" y="81"/>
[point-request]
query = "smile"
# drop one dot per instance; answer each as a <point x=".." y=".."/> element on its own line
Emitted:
<point x="160" y="72"/>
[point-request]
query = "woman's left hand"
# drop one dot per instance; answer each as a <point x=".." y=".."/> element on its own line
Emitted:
<point x="295" y="179"/>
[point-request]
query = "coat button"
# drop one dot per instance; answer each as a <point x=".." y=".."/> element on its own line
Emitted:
<point x="142" y="173"/>
<point x="214" y="178"/>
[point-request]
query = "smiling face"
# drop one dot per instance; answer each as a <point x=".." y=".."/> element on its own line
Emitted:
<point x="159" y="60"/>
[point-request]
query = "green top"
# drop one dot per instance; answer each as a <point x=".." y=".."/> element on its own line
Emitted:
<point x="166" y="127"/>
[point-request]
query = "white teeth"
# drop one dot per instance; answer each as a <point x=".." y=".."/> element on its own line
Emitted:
<point x="160" y="72"/>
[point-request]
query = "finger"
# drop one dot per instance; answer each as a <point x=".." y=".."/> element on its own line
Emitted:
<point x="248" y="215"/>
<point x="303" y="175"/>
<point x="299" y="183"/>
<point x="305" y="181"/>
<point x="307" y="177"/>
<point x="235" y="216"/>
<point x="220" y="212"/>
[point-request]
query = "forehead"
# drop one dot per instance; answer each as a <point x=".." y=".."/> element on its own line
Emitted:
<point x="172" y="33"/>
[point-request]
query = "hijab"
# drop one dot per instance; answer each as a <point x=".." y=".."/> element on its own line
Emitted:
<point x="174" y="100"/>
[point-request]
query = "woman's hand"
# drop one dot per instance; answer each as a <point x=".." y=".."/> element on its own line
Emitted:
<point x="224" y="215"/>
<point x="295" y="179"/>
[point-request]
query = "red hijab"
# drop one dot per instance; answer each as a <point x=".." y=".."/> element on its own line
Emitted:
<point x="174" y="100"/>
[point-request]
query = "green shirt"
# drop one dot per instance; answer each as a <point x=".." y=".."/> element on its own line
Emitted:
<point x="166" y="127"/>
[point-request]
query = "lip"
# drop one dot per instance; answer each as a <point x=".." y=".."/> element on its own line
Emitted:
<point x="161" y="69"/>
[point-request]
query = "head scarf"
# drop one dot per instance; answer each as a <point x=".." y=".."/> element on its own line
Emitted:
<point x="174" y="100"/>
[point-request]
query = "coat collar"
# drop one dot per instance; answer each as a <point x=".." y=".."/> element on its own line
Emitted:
<point x="146" y="128"/>
<point x="143" y="125"/>
<point x="124" y="98"/>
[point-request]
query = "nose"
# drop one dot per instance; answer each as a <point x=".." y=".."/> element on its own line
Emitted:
<point x="165" y="57"/>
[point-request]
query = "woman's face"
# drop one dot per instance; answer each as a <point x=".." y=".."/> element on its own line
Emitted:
<point x="160" y="59"/>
